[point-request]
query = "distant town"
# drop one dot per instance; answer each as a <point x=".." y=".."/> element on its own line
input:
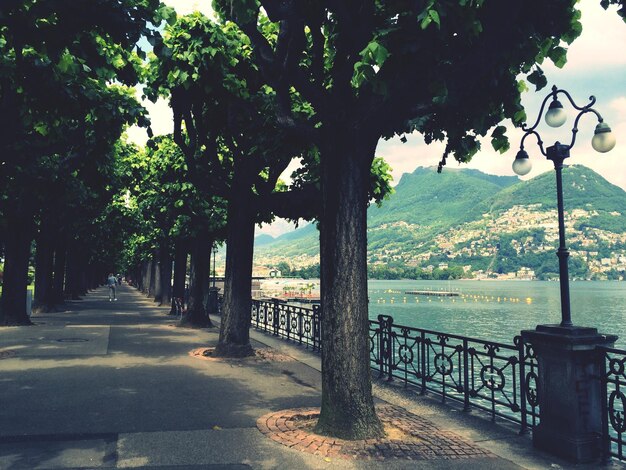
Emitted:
<point x="495" y="247"/>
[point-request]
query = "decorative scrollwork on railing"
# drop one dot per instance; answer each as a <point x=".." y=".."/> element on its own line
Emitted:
<point x="492" y="349"/>
<point x="613" y="383"/>
<point x="442" y="338"/>
<point x="405" y="353"/>
<point x="616" y="366"/>
<point x="443" y="364"/>
<point x="492" y="378"/>
<point x="532" y="395"/>
<point x="617" y="405"/>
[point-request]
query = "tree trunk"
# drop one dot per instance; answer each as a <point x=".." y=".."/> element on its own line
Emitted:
<point x="165" y="276"/>
<point x="72" y="273"/>
<point x="157" y="277"/>
<point x="15" y="278"/>
<point x="180" y="273"/>
<point x="236" y="314"/>
<point x="84" y="278"/>
<point x="94" y="276"/>
<point x="145" y="276"/>
<point x="44" y="257"/>
<point x="152" y="276"/>
<point x="197" y="315"/>
<point x="58" y="279"/>
<point x="347" y="408"/>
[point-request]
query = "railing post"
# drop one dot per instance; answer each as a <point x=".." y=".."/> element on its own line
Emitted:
<point x="466" y="384"/>
<point x="423" y="361"/>
<point x="386" y="345"/>
<point x="606" y="440"/>
<point x="263" y="305"/>
<point x="390" y="350"/>
<point x="318" y="311"/>
<point x="276" y="317"/>
<point x="380" y="348"/>
<point x="300" y="325"/>
<point x="521" y="355"/>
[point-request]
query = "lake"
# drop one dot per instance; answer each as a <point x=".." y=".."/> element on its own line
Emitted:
<point x="499" y="310"/>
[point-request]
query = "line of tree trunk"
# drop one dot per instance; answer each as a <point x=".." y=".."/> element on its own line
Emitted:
<point x="164" y="276"/>
<point x="347" y="409"/>
<point x="234" y="338"/>
<point x="15" y="278"/>
<point x="197" y="315"/>
<point x="180" y="273"/>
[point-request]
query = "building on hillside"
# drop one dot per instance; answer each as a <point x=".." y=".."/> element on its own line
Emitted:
<point x="525" y="273"/>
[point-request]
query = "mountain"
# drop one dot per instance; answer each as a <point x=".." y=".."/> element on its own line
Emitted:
<point x="263" y="239"/>
<point x="486" y="224"/>
<point x="434" y="200"/>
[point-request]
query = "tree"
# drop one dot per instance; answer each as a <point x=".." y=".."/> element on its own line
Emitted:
<point x="223" y="124"/>
<point x="176" y="213"/>
<point x="446" y="69"/>
<point x="79" y="54"/>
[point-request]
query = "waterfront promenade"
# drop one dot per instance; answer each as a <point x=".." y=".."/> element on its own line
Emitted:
<point x="116" y="385"/>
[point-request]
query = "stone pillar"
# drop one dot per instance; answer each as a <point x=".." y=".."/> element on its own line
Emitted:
<point x="570" y="394"/>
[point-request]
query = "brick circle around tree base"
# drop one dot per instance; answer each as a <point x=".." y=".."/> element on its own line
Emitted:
<point x="409" y="437"/>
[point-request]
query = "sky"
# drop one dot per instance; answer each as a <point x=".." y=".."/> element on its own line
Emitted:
<point x="596" y="66"/>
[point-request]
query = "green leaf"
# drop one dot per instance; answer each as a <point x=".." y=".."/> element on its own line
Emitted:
<point x="41" y="128"/>
<point x="538" y="79"/>
<point x="519" y="117"/>
<point x="379" y="53"/>
<point x="573" y="33"/>
<point x="434" y="14"/>
<point x="499" y="140"/>
<point x="558" y="55"/>
<point x="118" y="61"/>
<point x="66" y="62"/>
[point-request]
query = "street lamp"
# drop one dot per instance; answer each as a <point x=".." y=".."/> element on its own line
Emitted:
<point x="603" y="141"/>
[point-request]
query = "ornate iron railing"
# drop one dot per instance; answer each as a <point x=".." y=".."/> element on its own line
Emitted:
<point x="614" y="404"/>
<point x="498" y="378"/>
<point x="299" y="324"/>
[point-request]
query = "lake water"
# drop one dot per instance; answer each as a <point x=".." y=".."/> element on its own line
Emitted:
<point x="499" y="310"/>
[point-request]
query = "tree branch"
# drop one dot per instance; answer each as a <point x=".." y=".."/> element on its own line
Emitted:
<point x="299" y="203"/>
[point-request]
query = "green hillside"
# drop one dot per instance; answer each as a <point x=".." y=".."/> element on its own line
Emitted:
<point x="437" y="200"/>
<point x="582" y="189"/>
<point x="487" y="224"/>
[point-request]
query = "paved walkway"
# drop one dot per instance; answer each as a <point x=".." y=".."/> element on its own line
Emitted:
<point x="117" y="385"/>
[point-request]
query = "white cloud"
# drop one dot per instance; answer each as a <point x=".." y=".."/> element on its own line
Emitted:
<point x="278" y="227"/>
<point x="184" y="7"/>
<point x="601" y="42"/>
<point x="618" y="106"/>
<point x="161" y="121"/>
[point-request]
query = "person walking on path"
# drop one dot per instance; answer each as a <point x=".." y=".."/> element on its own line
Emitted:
<point x="111" y="282"/>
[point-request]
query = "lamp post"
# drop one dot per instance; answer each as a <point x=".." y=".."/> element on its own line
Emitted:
<point x="570" y="399"/>
<point x="603" y="141"/>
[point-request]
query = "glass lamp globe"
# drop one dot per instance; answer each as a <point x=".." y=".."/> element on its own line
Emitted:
<point x="556" y="115"/>
<point x="603" y="139"/>
<point x="521" y="164"/>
